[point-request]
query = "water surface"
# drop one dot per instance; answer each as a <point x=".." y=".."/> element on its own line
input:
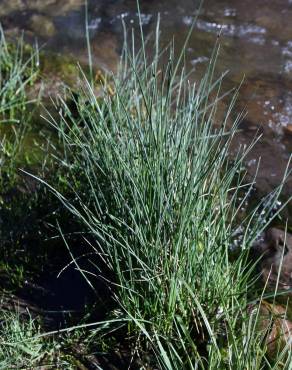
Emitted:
<point x="256" y="44"/>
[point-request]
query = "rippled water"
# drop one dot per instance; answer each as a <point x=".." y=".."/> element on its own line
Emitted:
<point x="255" y="38"/>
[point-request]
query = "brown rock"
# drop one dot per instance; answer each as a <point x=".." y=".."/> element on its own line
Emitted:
<point x="275" y="253"/>
<point x="51" y="7"/>
<point x="42" y="26"/>
<point x="277" y="330"/>
<point x="288" y="129"/>
<point x="104" y="47"/>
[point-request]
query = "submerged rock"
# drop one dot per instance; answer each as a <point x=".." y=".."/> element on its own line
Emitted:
<point x="51" y="7"/>
<point x="42" y="26"/>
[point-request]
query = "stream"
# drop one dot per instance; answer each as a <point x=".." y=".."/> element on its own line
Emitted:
<point x="256" y="45"/>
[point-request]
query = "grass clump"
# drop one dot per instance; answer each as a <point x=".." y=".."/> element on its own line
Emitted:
<point x="155" y="188"/>
<point x="18" y="70"/>
<point x="23" y="345"/>
<point x="20" y="346"/>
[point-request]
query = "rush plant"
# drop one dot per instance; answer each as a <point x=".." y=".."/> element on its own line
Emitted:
<point x="155" y="187"/>
<point x="18" y="70"/>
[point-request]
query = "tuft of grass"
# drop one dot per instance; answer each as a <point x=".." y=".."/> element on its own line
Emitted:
<point x="156" y="189"/>
<point x="18" y="70"/>
<point x="24" y="346"/>
<point x="20" y="346"/>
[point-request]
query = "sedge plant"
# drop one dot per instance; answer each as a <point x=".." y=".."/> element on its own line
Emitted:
<point x="19" y="69"/>
<point x="20" y="346"/>
<point x="23" y="345"/>
<point x="19" y="65"/>
<point x="156" y="189"/>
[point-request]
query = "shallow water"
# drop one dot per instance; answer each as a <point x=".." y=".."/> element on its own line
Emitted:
<point x="256" y="44"/>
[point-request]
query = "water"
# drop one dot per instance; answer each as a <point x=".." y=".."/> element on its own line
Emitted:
<point x="256" y="44"/>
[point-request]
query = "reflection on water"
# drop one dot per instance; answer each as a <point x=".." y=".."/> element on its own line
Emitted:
<point x="256" y="42"/>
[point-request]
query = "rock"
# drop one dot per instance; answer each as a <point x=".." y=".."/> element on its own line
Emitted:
<point x="42" y="26"/>
<point x="275" y="327"/>
<point x="54" y="7"/>
<point x="9" y="6"/>
<point x="105" y="52"/>
<point x="50" y="7"/>
<point x="288" y="129"/>
<point x="275" y="265"/>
